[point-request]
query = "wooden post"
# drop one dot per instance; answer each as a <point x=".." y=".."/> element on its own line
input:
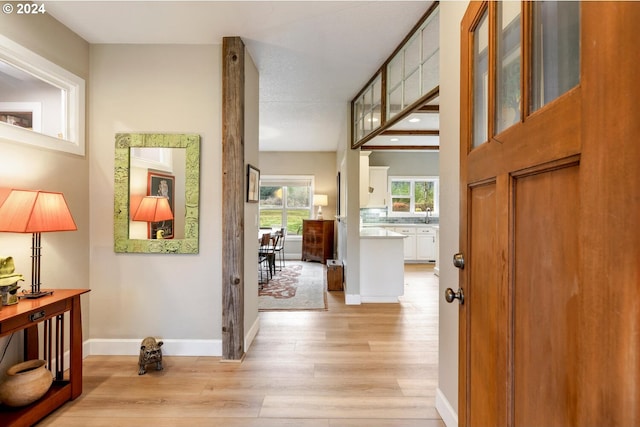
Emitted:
<point x="232" y="198"/>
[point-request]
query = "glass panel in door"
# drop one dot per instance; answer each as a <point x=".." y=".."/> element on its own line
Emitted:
<point x="555" y="58"/>
<point x="481" y="81"/>
<point x="509" y="55"/>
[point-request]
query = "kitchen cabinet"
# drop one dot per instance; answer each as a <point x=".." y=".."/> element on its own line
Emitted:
<point x="425" y="244"/>
<point x="317" y="240"/>
<point x="419" y="243"/>
<point x="409" y="242"/>
<point x="378" y="194"/>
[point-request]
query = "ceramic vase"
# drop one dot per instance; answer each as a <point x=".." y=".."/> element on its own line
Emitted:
<point x="25" y="383"/>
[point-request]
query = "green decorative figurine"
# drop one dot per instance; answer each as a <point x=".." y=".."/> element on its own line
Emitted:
<point x="9" y="281"/>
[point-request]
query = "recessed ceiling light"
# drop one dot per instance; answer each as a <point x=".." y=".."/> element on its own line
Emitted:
<point x="414" y="120"/>
<point x="395" y="139"/>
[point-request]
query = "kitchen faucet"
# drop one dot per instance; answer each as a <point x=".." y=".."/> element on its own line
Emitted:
<point x="426" y="219"/>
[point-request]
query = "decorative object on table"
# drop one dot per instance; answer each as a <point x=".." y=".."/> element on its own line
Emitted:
<point x="34" y="211"/>
<point x="150" y="352"/>
<point x="162" y="185"/>
<point x="9" y="281"/>
<point x="157" y="212"/>
<point x="253" y="184"/>
<point x="320" y="200"/>
<point x="25" y="383"/>
<point x="9" y="294"/>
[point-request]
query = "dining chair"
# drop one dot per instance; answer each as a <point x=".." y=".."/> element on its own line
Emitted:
<point x="279" y="247"/>
<point x="263" y="258"/>
<point x="271" y="252"/>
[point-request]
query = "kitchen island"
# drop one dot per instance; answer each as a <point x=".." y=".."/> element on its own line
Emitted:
<point x="381" y="265"/>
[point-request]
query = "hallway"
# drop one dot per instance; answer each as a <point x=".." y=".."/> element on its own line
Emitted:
<point x="373" y="365"/>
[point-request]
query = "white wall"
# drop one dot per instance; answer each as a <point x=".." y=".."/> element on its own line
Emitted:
<point x="451" y="14"/>
<point x="65" y="256"/>
<point x="155" y="88"/>
<point x="251" y="121"/>
<point x="407" y="163"/>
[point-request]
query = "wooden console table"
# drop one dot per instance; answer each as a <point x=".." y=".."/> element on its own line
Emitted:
<point x="49" y="310"/>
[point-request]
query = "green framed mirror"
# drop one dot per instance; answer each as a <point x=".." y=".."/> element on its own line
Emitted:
<point x="148" y="164"/>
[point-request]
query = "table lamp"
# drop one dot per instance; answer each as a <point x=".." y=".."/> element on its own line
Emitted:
<point x="34" y="211"/>
<point x="153" y="209"/>
<point x="320" y="200"/>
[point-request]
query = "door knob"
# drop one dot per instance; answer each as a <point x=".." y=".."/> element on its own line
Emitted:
<point x="449" y="295"/>
<point x="458" y="260"/>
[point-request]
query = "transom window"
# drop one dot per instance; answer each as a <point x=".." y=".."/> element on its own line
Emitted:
<point x="524" y="56"/>
<point x="42" y="104"/>
<point x="285" y="201"/>
<point x="414" y="196"/>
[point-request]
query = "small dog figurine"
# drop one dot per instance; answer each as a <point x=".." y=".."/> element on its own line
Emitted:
<point x="150" y="352"/>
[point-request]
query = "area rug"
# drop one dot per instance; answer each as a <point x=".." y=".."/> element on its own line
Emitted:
<point x="299" y="286"/>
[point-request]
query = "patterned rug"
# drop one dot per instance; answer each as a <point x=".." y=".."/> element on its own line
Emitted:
<point x="299" y="286"/>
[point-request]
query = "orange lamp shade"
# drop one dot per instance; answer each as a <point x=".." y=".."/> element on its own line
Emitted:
<point x="34" y="211"/>
<point x="153" y="209"/>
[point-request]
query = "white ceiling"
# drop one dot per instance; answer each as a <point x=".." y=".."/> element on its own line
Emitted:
<point x="313" y="56"/>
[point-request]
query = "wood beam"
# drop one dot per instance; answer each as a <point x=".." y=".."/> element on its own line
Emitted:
<point x="401" y="147"/>
<point x="232" y="198"/>
<point x="428" y="109"/>
<point x="413" y="132"/>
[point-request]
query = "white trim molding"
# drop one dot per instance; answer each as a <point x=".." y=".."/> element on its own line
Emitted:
<point x="251" y="334"/>
<point x="171" y="347"/>
<point x="352" y="299"/>
<point x="73" y="100"/>
<point x="446" y="411"/>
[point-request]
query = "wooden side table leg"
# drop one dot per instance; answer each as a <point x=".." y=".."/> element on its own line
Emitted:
<point x="31" y="343"/>
<point x="75" y="368"/>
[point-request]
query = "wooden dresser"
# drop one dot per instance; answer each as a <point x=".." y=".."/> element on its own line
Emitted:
<point x="317" y="240"/>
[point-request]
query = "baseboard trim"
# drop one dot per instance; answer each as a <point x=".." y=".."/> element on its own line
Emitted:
<point x="251" y="334"/>
<point x="131" y="347"/>
<point x="352" y="299"/>
<point x="378" y="300"/>
<point x="446" y="411"/>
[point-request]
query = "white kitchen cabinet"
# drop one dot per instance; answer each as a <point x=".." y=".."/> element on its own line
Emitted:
<point x="419" y="243"/>
<point x="378" y="194"/>
<point x="425" y="244"/>
<point x="409" y="242"/>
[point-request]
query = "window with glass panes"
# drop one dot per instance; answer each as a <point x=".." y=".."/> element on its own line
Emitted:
<point x="285" y="202"/>
<point x="414" y="196"/>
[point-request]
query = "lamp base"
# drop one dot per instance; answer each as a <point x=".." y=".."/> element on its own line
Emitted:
<point x="34" y="295"/>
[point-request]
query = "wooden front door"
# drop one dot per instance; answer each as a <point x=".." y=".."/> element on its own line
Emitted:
<point x="550" y="214"/>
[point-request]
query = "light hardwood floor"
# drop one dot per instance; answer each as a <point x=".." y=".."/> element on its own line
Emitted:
<point x="373" y="365"/>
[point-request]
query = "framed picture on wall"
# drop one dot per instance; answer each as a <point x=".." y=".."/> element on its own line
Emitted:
<point x="253" y="184"/>
<point x="161" y="184"/>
